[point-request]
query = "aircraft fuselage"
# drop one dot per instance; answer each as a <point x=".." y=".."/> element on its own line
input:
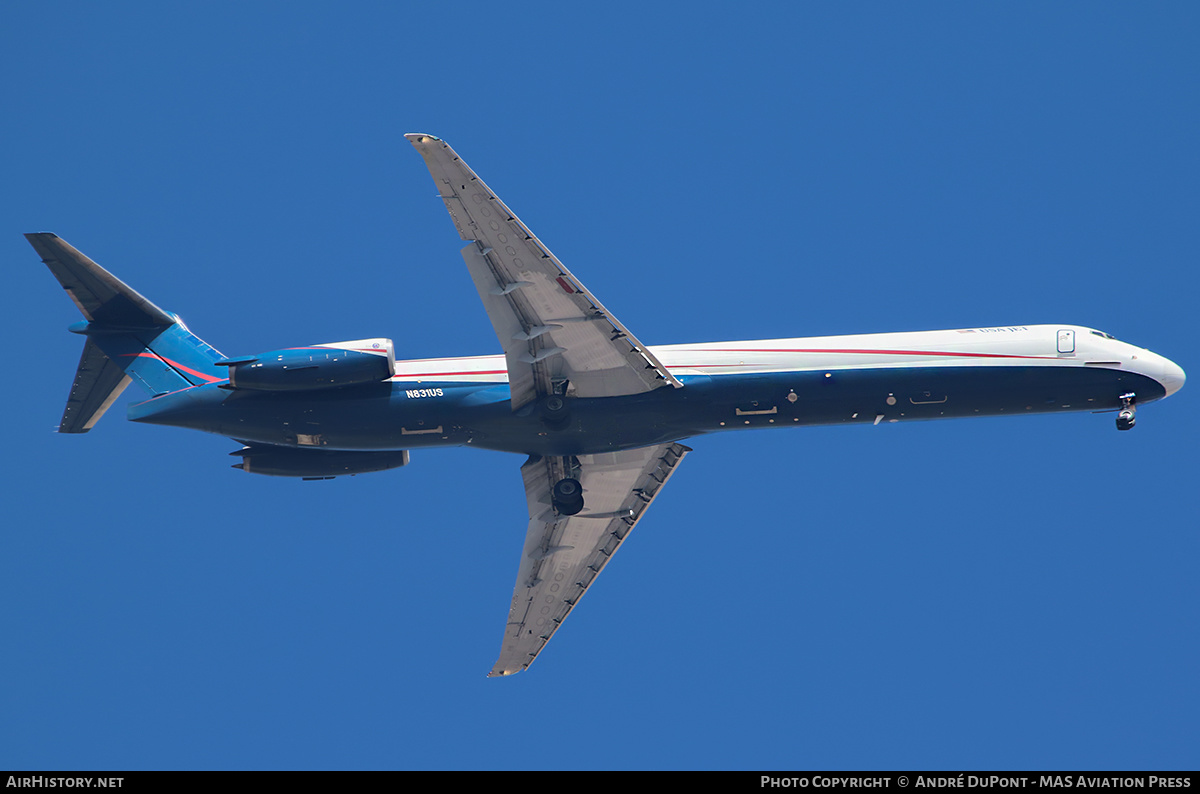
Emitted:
<point x="862" y="379"/>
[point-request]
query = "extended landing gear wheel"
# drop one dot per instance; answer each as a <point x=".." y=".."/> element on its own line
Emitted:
<point x="568" y="496"/>
<point x="555" y="411"/>
<point x="1127" y="416"/>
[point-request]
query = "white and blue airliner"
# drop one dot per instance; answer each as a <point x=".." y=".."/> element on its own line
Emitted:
<point x="599" y="414"/>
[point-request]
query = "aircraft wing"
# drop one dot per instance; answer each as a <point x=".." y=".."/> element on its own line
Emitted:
<point x="551" y="327"/>
<point x="563" y="554"/>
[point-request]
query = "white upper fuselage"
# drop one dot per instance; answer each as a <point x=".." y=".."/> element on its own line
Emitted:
<point x="1018" y="345"/>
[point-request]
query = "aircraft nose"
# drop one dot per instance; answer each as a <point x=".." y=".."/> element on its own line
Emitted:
<point x="1172" y="376"/>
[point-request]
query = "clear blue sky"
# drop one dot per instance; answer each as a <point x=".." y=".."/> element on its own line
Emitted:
<point x="1007" y="593"/>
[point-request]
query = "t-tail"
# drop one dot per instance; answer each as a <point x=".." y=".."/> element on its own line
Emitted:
<point x="128" y="338"/>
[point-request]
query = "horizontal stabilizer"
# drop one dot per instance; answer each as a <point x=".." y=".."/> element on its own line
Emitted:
<point x="102" y="298"/>
<point x="98" y="383"/>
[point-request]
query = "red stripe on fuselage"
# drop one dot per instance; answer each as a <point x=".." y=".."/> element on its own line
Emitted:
<point x="869" y="352"/>
<point x="376" y="350"/>
<point x="851" y="351"/>
<point x="411" y="375"/>
<point x="176" y="365"/>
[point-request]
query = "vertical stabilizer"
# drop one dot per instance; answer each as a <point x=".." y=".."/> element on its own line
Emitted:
<point x="129" y="339"/>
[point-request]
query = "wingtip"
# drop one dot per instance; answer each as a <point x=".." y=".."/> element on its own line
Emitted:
<point x="44" y="242"/>
<point x="498" y="673"/>
<point x="421" y="137"/>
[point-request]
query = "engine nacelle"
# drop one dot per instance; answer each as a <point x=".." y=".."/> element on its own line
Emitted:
<point x="315" y="464"/>
<point x="318" y="367"/>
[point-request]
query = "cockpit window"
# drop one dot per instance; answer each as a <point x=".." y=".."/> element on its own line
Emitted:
<point x="1106" y="336"/>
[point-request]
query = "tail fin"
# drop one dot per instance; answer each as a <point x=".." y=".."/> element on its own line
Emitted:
<point x="128" y="338"/>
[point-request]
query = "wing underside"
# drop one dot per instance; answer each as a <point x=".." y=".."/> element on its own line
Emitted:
<point x="553" y="330"/>
<point x="563" y="554"/>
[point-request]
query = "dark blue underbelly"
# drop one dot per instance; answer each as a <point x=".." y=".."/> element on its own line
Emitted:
<point x="394" y="416"/>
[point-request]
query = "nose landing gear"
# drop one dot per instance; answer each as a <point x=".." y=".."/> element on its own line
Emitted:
<point x="1127" y="416"/>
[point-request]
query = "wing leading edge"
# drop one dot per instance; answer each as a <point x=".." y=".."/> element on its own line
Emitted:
<point x="563" y="554"/>
<point x="552" y="328"/>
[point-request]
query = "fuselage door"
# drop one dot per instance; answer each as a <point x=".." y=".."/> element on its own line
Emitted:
<point x="1066" y="341"/>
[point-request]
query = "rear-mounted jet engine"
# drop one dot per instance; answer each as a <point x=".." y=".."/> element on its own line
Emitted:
<point x="318" y="367"/>
<point x="315" y="464"/>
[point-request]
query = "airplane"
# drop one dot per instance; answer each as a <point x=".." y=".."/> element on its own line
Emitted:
<point x="599" y="415"/>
